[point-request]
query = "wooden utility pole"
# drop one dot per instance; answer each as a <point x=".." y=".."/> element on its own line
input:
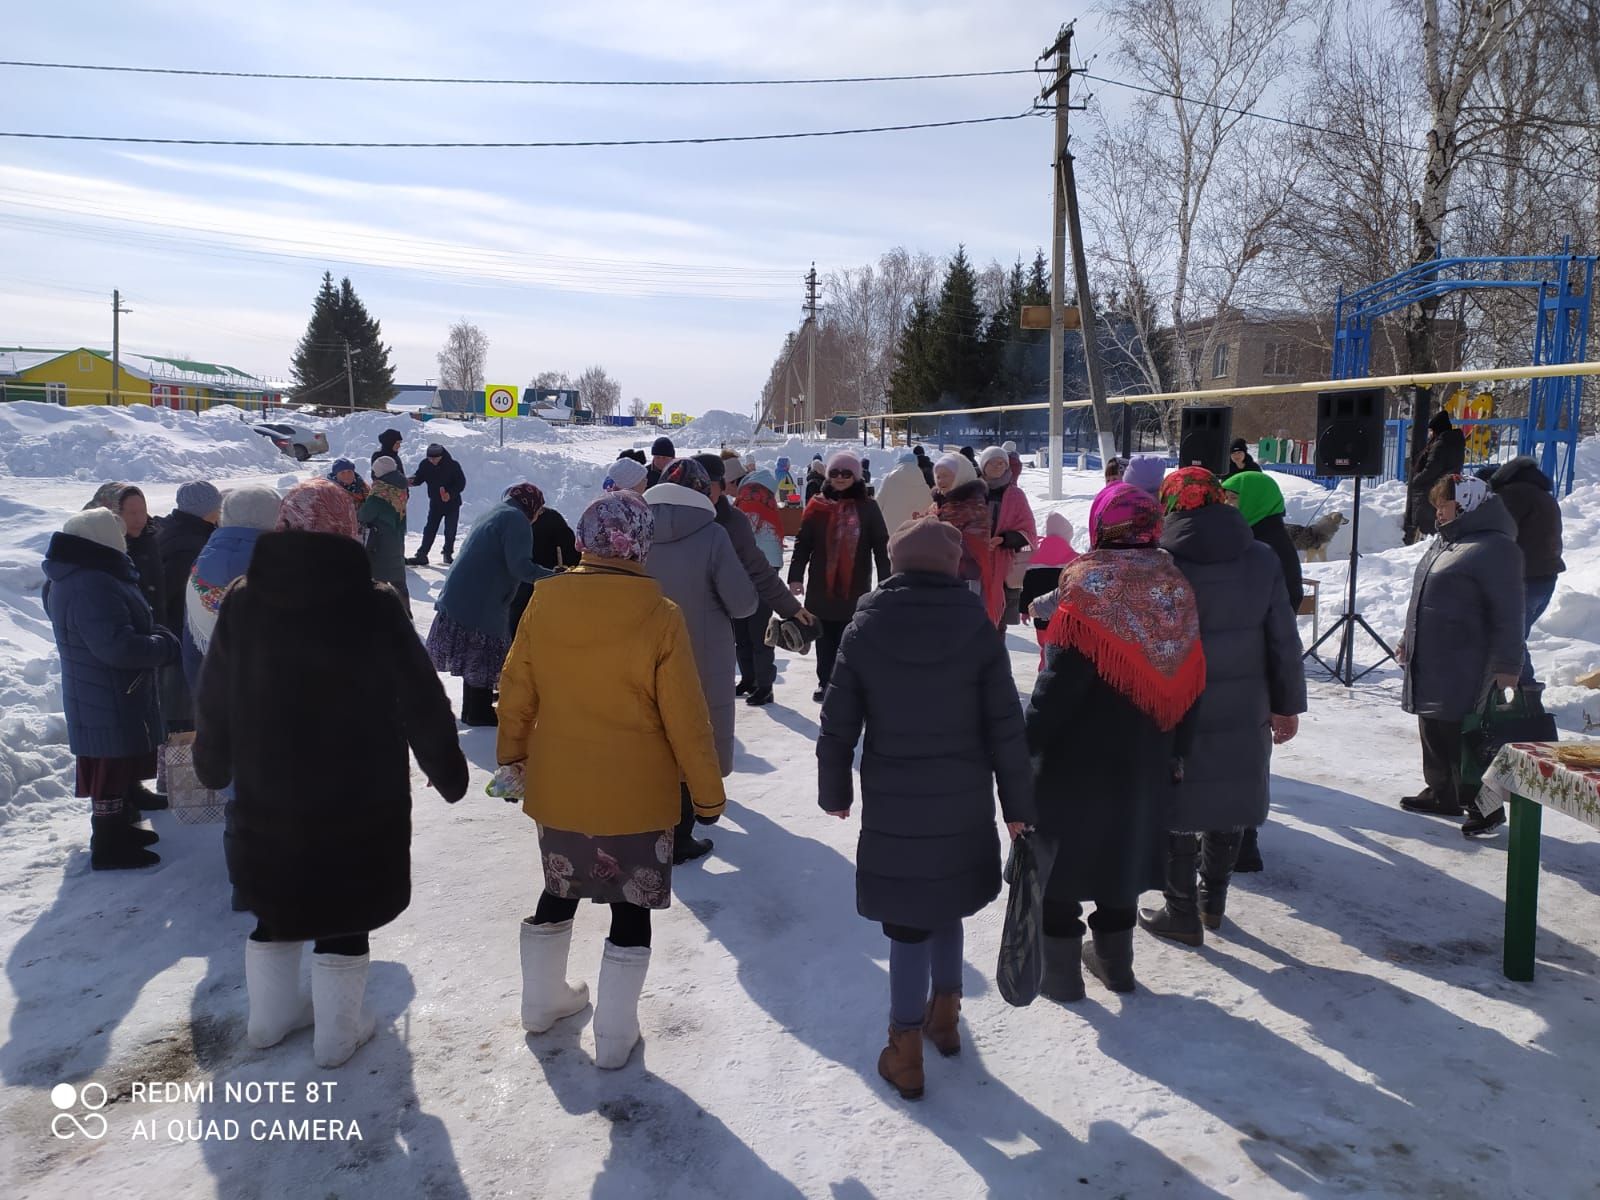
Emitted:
<point x="116" y="346"/>
<point x="350" y="382"/>
<point x="1066" y="221"/>
<point x="811" y="349"/>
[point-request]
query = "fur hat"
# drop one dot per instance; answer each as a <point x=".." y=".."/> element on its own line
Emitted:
<point x="841" y="460"/>
<point x="98" y="525"/>
<point x="105" y="496"/>
<point x="383" y="465"/>
<point x="925" y="545"/>
<point x="662" y="448"/>
<point x="624" y="475"/>
<point x="435" y="450"/>
<point x="199" y="499"/>
<point x="251" y="508"/>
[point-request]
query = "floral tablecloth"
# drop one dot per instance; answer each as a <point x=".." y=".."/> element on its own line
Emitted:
<point x="1532" y="770"/>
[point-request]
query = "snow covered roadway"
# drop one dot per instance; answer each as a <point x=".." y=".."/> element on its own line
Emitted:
<point x="1347" y="1033"/>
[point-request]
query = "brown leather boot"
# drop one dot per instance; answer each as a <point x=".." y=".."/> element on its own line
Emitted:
<point x="901" y="1062"/>
<point x="941" y="1022"/>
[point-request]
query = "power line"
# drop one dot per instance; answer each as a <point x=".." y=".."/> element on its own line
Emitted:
<point x="599" y="142"/>
<point x="1308" y="127"/>
<point x="492" y="82"/>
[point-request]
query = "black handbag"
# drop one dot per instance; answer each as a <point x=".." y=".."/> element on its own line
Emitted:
<point x="1499" y="722"/>
<point x="1021" y="965"/>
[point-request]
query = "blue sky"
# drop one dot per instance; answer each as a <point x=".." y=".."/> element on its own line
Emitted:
<point x="677" y="268"/>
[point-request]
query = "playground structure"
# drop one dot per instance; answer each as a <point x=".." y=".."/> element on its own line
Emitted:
<point x="1564" y="287"/>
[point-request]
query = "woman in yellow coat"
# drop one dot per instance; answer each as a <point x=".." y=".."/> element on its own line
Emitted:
<point x="602" y="671"/>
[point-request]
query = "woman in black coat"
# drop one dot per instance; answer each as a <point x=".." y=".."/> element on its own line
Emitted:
<point x="842" y="537"/>
<point x="1255" y="691"/>
<point x="925" y="672"/>
<point x="1123" y="668"/>
<point x="144" y="547"/>
<point x="318" y="836"/>
<point x="555" y="546"/>
<point x="183" y="534"/>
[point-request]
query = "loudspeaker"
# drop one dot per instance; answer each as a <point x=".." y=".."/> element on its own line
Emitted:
<point x="1350" y="432"/>
<point x="1204" y="436"/>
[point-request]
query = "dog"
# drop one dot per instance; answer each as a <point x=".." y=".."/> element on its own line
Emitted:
<point x="1312" y="540"/>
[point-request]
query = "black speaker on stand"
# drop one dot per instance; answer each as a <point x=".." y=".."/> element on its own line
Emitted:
<point x="1350" y="443"/>
<point x="1203" y="437"/>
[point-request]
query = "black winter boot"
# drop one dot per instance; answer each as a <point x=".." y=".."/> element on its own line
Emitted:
<point x="477" y="708"/>
<point x="1179" y="918"/>
<point x="760" y="696"/>
<point x="685" y="846"/>
<point x="112" y="848"/>
<point x="742" y="688"/>
<point x="1218" y="853"/>
<point x="142" y="798"/>
<point x="1426" y="801"/>
<point x="1111" y="959"/>
<point x="1063" y="969"/>
<point x="1249" y="859"/>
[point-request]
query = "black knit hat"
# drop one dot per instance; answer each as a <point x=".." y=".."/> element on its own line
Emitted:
<point x="663" y="448"/>
<point x="712" y="463"/>
<point x="1440" y="421"/>
<point x="1239" y="444"/>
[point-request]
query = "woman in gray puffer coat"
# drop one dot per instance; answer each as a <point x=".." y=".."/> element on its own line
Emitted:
<point x="1464" y="632"/>
<point x="699" y="571"/>
<point x="1255" y="691"/>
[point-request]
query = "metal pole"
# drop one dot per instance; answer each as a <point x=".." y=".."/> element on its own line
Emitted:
<point x="349" y="377"/>
<point x="1058" y="238"/>
<point x="116" y="347"/>
<point x="1091" y="341"/>
<point x="811" y="349"/>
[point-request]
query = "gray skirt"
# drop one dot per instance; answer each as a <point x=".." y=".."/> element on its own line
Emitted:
<point x="627" y="868"/>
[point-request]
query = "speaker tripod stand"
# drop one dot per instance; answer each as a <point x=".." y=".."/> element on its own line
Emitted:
<point x="1343" y="667"/>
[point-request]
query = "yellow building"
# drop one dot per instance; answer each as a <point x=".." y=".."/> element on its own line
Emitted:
<point x="83" y="376"/>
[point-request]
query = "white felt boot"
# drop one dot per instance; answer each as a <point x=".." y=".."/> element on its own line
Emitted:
<point x="279" y="1003"/>
<point x="616" y="1009"/>
<point x="338" y="987"/>
<point x="546" y="994"/>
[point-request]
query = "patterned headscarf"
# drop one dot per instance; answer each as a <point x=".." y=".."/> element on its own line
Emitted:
<point x="318" y="506"/>
<point x="1123" y="515"/>
<point x="1470" y="491"/>
<point x="1189" y="488"/>
<point x="617" y="525"/>
<point x="690" y="474"/>
<point x="526" y="498"/>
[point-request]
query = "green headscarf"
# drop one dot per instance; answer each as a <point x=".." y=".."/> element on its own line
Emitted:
<point x="1259" y="495"/>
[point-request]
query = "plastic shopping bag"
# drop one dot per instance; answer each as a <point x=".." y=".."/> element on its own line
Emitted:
<point x="1021" y="966"/>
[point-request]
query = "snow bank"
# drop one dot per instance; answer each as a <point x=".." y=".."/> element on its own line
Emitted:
<point x="136" y="444"/>
<point x="714" y="430"/>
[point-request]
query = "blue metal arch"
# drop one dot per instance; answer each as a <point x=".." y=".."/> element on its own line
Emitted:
<point x="1565" y="286"/>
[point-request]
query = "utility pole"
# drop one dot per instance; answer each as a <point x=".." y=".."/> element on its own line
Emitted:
<point x="349" y="375"/>
<point x="1067" y="221"/>
<point x="116" y="346"/>
<point x="811" y="349"/>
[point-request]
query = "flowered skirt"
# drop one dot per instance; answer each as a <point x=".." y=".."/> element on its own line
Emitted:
<point x="456" y="650"/>
<point x="632" y="868"/>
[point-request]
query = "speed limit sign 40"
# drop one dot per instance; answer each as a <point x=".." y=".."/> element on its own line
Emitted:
<point x="500" y="400"/>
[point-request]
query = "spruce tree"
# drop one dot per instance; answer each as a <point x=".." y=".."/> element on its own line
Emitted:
<point x="319" y="358"/>
<point x="370" y="357"/>
<point x="958" y="357"/>
<point x="911" y="384"/>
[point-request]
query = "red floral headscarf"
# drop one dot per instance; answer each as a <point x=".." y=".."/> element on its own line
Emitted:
<point x="1190" y="488"/>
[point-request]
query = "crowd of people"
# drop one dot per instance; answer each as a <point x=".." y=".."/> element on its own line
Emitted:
<point x="630" y="635"/>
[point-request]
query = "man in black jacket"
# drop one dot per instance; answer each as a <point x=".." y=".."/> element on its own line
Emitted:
<point x="1529" y="497"/>
<point x="662" y="456"/>
<point x="774" y="594"/>
<point x="1444" y="453"/>
<point x="445" y="481"/>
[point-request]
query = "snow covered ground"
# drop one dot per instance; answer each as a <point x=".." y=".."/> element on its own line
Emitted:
<point x="1348" y="1033"/>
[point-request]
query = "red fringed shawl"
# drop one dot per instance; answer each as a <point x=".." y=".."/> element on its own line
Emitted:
<point x="1132" y="614"/>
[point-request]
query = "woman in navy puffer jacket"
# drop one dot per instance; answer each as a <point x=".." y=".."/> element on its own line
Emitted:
<point x="111" y="649"/>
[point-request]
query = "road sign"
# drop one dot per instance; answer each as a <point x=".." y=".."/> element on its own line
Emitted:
<point x="499" y="400"/>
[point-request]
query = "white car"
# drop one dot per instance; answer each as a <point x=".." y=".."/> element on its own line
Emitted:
<point x="292" y="439"/>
